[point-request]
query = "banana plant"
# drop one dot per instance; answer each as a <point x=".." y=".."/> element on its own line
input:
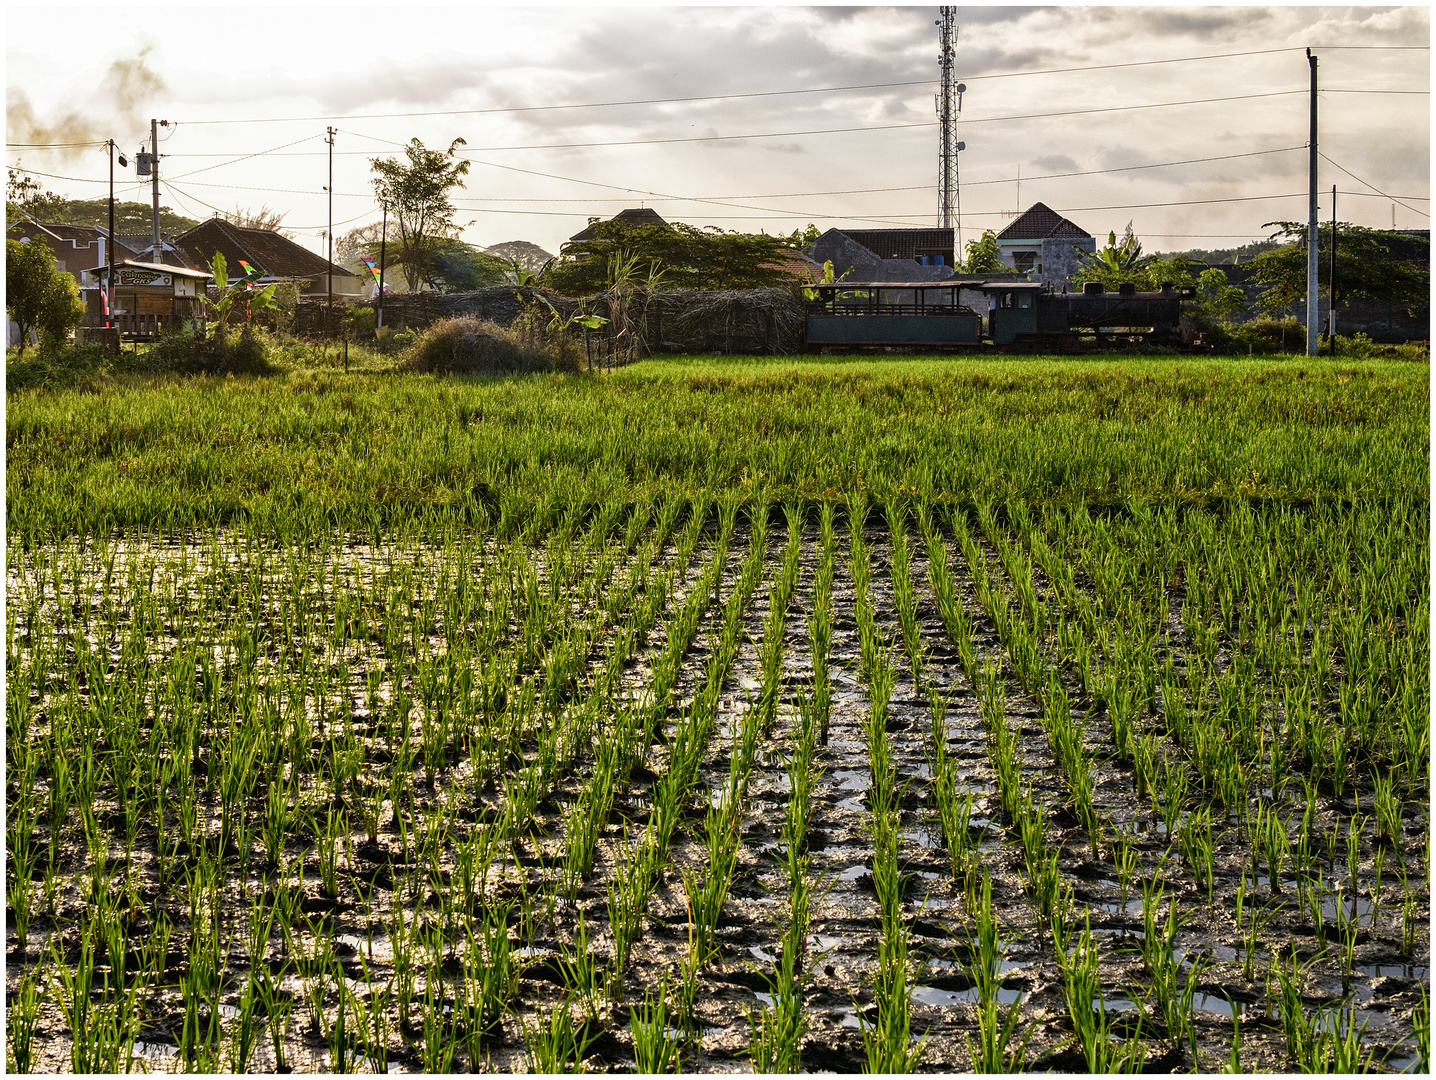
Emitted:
<point x="239" y="295"/>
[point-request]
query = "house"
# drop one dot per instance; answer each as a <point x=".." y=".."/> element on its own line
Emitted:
<point x="1044" y="244"/>
<point x="272" y="256"/>
<point x="77" y="248"/>
<point x="635" y="216"/>
<point x="860" y="255"/>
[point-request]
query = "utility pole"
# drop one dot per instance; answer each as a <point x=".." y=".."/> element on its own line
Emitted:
<point x="1331" y="283"/>
<point x="946" y="100"/>
<point x="330" y="140"/>
<point x="383" y="237"/>
<point x="155" y="185"/>
<point x="110" y="242"/>
<point x="1312" y="319"/>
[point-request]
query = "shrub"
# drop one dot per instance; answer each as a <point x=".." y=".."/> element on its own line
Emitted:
<point x="188" y="351"/>
<point x="469" y="346"/>
<point x="72" y="366"/>
<point x="359" y="322"/>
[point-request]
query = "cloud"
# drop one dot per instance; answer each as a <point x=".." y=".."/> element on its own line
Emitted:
<point x="1056" y="163"/>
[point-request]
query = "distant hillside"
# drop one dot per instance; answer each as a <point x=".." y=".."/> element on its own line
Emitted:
<point x="131" y="218"/>
<point x="530" y="256"/>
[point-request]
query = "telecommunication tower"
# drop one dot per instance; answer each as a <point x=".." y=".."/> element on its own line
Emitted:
<point x="949" y="107"/>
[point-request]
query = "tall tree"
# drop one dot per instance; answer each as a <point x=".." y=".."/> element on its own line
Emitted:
<point x="263" y="218"/>
<point x="1372" y="267"/>
<point x="687" y="257"/>
<point x="417" y="195"/>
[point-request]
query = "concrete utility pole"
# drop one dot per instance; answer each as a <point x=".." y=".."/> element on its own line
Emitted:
<point x="1313" y="324"/>
<point x="330" y="140"/>
<point x="383" y="238"/>
<point x="155" y="186"/>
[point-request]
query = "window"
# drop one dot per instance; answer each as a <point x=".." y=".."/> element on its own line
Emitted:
<point x="1022" y="261"/>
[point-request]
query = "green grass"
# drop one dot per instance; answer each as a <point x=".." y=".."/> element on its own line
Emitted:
<point x="310" y="450"/>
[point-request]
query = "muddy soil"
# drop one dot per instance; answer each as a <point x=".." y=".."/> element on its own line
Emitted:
<point x="1381" y="989"/>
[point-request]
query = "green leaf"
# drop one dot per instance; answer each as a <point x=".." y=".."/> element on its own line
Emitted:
<point x="591" y="322"/>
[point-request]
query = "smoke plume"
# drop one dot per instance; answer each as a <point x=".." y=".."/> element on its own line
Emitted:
<point x="116" y="110"/>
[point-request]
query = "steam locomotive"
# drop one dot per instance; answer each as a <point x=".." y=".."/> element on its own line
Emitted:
<point x="976" y="314"/>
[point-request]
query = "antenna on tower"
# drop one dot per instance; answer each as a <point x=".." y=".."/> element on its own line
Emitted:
<point x="949" y="107"/>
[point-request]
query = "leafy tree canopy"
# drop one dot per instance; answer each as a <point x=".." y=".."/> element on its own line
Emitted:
<point x="687" y="257"/>
<point x="39" y="295"/>
<point x="417" y="195"/>
<point x="459" y="267"/>
<point x="1372" y="267"/>
<point x="263" y="218"/>
<point x="983" y="256"/>
<point x="24" y="194"/>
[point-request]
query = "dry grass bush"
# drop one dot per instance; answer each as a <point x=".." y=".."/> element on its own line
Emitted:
<point x="469" y="346"/>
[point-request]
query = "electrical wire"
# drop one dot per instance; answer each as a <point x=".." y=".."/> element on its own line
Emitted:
<point x="246" y="157"/>
<point x="816" y="131"/>
<point x="1372" y="186"/>
<point x="54" y="145"/>
<point x="782" y="93"/>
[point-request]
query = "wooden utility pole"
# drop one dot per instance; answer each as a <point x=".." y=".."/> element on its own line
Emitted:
<point x="1313" y="323"/>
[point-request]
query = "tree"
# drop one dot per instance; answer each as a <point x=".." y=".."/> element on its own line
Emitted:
<point x="364" y="240"/>
<point x="39" y="295"/>
<point x="24" y="197"/>
<point x="417" y="195"/>
<point x="984" y="256"/>
<point x="263" y="218"/>
<point x="688" y="257"/>
<point x="799" y="239"/>
<point x="459" y="267"/>
<point x="1372" y="267"/>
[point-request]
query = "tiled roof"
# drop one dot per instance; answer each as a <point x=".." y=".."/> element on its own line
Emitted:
<point x="1041" y="222"/>
<point x="797" y="266"/>
<point x="903" y="243"/>
<point x="268" y="252"/>
<point x="638" y="215"/>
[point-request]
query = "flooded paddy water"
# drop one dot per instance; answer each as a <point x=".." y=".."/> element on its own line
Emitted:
<point x="719" y="789"/>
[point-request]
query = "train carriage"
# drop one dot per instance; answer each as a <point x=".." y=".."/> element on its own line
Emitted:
<point x="1014" y="315"/>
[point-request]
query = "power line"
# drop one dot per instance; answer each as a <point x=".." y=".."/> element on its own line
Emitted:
<point x="246" y="157"/>
<point x="1132" y="108"/>
<point x="53" y="145"/>
<point x="814" y="131"/>
<point x="777" y="93"/>
<point x="286" y="225"/>
<point x="1372" y="186"/>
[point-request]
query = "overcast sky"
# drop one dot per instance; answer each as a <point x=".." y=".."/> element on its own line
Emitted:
<point x="249" y="91"/>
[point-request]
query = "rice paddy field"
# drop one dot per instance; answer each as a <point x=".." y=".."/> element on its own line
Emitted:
<point x="729" y="715"/>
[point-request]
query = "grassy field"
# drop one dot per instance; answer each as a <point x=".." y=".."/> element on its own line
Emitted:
<point x="928" y="715"/>
<point x="309" y="452"/>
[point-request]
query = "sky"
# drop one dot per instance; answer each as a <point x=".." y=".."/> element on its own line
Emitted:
<point x="1189" y="122"/>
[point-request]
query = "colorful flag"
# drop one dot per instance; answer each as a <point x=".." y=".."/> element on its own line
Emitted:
<point x="373" y="267"/>
<point x="248" y="270"/>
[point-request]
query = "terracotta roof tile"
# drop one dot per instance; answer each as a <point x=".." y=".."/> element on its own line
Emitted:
<point x="1041" y="222"/>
